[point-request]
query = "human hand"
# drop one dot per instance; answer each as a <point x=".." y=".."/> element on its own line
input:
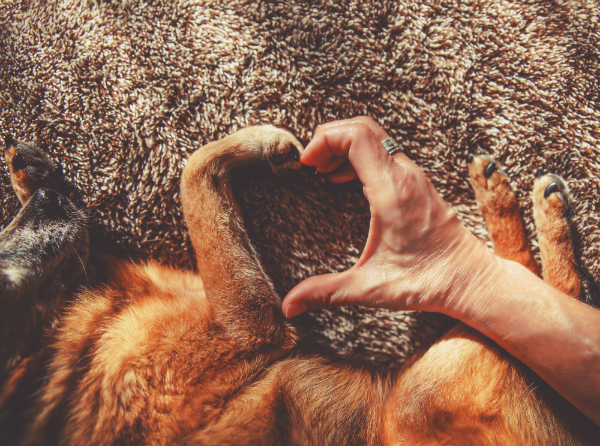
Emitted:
<point x="417" y="257"/>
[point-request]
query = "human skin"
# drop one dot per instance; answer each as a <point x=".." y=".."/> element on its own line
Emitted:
<point x="419" y="257"/>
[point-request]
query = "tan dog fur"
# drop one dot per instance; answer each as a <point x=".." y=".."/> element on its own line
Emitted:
<point x="152" y="355"/>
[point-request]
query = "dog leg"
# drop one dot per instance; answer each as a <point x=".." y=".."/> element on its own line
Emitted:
<point x="498" y="204"/>
<point x="242" y="297"/>
<point x="552" y="212"/>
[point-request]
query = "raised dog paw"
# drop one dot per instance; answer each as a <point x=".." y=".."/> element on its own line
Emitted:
<point x="280" y="148"/>
<point x="267" y="143"/>
<point x="30" y="168"/>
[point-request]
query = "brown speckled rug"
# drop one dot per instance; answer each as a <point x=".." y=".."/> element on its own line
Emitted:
<point x="121" y="92"/>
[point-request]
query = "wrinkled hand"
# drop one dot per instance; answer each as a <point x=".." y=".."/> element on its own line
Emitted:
<point x="417" y="257"/>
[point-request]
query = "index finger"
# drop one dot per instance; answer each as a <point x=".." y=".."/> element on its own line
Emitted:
<point x="328" y="161"/>
<point x="331" y="141"/>
<point x="377" y="130"/>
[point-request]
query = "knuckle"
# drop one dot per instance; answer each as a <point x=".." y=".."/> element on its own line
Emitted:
<point x="326" y="302"/>
<point x="362" y="129"/>
<point x="367" y="120"/>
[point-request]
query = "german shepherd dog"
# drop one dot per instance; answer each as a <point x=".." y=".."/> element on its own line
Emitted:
<point x="144" y="354"/>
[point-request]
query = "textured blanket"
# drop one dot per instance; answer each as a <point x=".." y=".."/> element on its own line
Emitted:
<point x="122" y="92"/>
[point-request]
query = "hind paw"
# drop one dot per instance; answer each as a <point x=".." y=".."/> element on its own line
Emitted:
<point x="552" y="212"/>
<point x="498" y="204"/>
<point x="487" y="177"/>
<point x="551" y="196"/>
<point x="30" y="168"/>
<point x="492" y="188"/>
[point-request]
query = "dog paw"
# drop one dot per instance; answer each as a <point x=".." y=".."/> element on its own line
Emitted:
<point x="30" y="168"/>
<point x="498" y="204"/>
<point x="490" y="183"/>
<point x="552" y="212"/>
<point x="551" y="196"/>
<point x="485" y="171"/>
<point x="281" y="149"/>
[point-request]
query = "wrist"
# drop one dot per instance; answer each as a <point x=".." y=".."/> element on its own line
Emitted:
<point x="495" y="302"/>
<point x="477" y="276"/>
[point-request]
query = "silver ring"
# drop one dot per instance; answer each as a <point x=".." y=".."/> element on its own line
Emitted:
<point x="390" y="145"/>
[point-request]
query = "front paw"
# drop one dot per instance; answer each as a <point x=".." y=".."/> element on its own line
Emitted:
<point x="280" y="149"/>
<point x="30" y="168"/>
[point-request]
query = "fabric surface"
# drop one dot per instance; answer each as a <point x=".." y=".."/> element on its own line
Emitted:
<point x="122" y="92"/>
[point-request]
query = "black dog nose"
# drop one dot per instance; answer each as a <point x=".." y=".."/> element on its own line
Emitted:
<point x="48" y="202"/>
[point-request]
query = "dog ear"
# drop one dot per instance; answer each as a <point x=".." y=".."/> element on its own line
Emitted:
<point x="9" y="141"/>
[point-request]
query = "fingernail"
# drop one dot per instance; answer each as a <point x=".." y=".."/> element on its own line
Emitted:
<point x="295" y="308"/>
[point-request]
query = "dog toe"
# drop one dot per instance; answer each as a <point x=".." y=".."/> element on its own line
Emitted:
<point x="551" y="195"/>
<point x="485" y="173"/>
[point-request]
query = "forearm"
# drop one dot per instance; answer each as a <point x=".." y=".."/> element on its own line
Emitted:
<point x="419" y="257"/>
<point x="555" y="335"/>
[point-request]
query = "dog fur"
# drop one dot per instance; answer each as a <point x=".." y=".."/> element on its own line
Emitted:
<point x="145" y="354"/>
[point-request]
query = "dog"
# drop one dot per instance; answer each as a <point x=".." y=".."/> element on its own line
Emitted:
<point x="97" y="350"/>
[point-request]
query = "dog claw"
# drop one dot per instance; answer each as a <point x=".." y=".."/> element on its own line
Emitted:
<point x="540" y="172"/>
<point x="470" y="158"/>
<point x="278" y="159"/>
<point x="295" y="154"/>
<point x="490" y="169"/>
<point x="557" y="188"/>
<point x="552" y="187"/>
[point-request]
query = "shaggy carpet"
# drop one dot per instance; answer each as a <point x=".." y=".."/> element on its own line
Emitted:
<point x="122" y="92"/>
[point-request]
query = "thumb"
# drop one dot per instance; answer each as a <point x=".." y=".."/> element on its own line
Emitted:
<point x="317" y="292"/>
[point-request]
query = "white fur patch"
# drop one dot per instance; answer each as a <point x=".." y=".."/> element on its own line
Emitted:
<point x="14" y="274"/>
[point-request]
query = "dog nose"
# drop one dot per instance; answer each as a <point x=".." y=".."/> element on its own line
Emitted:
<point x="48" y="202"/>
